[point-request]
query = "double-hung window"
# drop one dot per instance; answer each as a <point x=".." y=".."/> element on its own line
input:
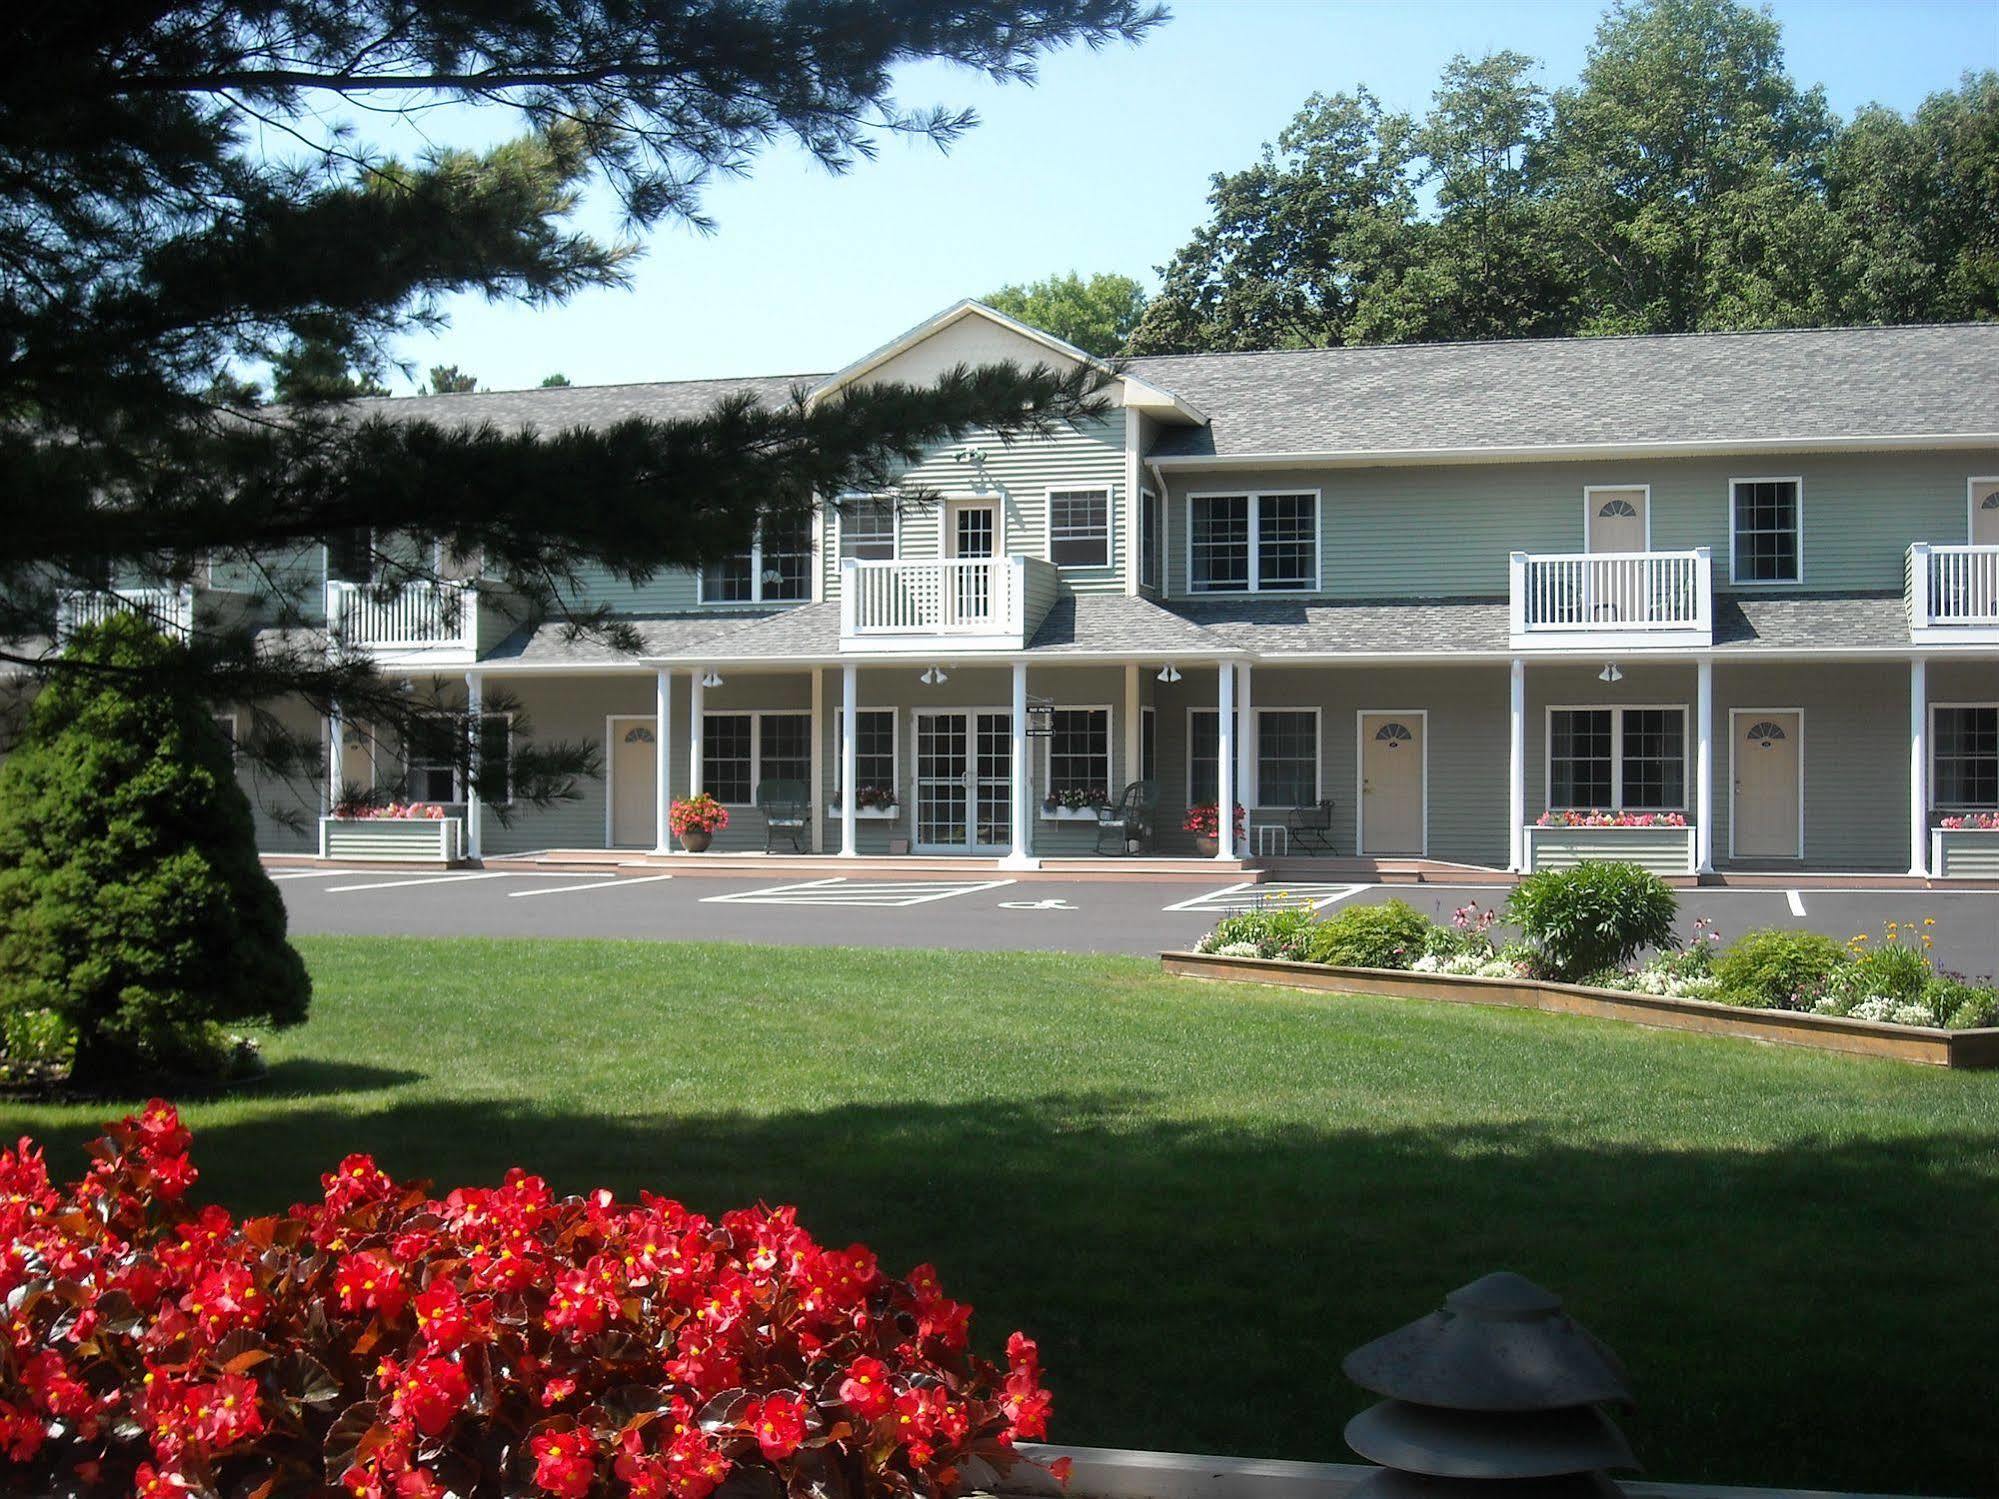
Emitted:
<point x="1253" y="543"/>
<point x="1765" y="520"/>
<point x="741" y="751"/>
<point x="1965" y="772"/>
<point x="1079" y="754"/>
<point x="1617" y="759"/>
<point x="1079" y="527"/>
<point x="777" y="569"/>
<point x="874" y="754"/>
<point x="1203" y="746"/>
<point x="1287" y="757"/>
<point x="1148" y="539"/>
<point x="867" y="530"/>
<point x="440" y="754"/>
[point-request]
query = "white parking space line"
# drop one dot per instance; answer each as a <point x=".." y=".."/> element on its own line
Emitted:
<point x="612" y="882"/>
<point x="839" y="891"/>
<point x="1796" y="900"/>
<point x="436" y="879"/>
<point x="1300" y="894"/>
<point x="310" y="874"/>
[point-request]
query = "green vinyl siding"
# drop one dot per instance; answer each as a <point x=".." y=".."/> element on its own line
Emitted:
<point x="1439" y="531"/>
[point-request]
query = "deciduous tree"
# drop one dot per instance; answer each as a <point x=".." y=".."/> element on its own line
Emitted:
<point x="1098" y="316"/>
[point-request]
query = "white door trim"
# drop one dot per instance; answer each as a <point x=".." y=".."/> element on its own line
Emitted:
<point x="611" y="767"/>
<point x="954" y="507"/>
<point x="1590" y="491"/>
<point x="1734" y="744"/>
<point x="1360" y="718"/>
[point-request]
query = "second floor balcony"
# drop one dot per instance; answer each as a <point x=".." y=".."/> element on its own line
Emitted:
<point x="1953" y="594"/>
<point x="169" y="609"/>
<point x="419" y="618"/>
<point x="973" y="603"/>
<point x="1611" y="599"/>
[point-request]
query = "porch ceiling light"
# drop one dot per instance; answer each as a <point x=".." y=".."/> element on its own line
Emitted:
<point x="1610" y="673"/>
<point x="1169" y="673"/>
<point x="711" y="678"/>
<point x="935" y="676"/>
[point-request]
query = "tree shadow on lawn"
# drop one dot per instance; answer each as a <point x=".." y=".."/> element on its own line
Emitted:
<point x="1818" y="1313"/>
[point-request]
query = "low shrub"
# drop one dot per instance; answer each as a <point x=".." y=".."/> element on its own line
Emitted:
<point x="1779" y="968"/>
<point x="1893" y="972"/>
<point x="1390" y="935"/>
<point x="1593" y="917"/>
<point x="387" y="1341"/>
<point x="1281" y="933"/>
<point x="1959" y="1004"/>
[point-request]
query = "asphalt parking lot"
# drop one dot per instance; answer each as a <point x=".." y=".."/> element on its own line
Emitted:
<point x="988" y="912"/>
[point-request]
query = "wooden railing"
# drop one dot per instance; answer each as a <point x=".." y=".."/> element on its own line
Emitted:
<point x="1952" y="587"/>
<point x="170" y="609"/>
<point x="1613" y="592"/>
<point x="417" y="616"/>
<point x="933" y="596"/>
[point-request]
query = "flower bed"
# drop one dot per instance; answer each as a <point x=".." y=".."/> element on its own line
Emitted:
<point x="426" y="834"/>
<point x="388" y="1341"/>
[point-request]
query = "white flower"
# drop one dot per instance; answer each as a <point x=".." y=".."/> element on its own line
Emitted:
<point x="1830" y="1004"/>
<point x="1426" y="964"/>
<point x="1238" y="950"/>
<point x="1917" y="1014"/>
<point x="1874" y="1007"/>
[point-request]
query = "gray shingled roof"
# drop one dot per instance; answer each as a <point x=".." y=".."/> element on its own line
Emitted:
<point x="1118" y="622"/>
<point x="547" y="644"/>
<point x="1811" y="621"/>
<point x="559" y="406"/>
<point x="1353" y="627"/>
<point x="1708" y="387"/>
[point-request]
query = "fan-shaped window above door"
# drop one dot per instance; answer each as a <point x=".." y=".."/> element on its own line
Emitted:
<point x="1619" y="508"/>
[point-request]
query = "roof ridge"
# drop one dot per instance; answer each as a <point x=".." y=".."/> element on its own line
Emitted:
<point x="527" y="390"/>
<point x="1572" y="338"/>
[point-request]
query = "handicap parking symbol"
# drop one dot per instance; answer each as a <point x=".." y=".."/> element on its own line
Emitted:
<point x="1036" y="905"/>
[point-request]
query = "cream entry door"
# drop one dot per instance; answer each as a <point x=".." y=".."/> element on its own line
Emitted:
<point x="634" y="782"/>
<point x="1391" y="783"/>
<point x="1617" y="520"/>
<point x="1768" y="761"/>
<point x="1985" y="513"/>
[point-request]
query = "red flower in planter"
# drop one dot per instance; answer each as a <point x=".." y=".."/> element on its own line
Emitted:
<point x="580" y="1305"/>
<point x="367" y="1282"/>
<point x="866" y="1390"/>
<point x="429" y="1393"/>
<point x="778" y="1424"/>
<point x="565" y="1462"/>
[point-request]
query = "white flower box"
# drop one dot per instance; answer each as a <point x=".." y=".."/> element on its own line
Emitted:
<point x="394" y="840"/>
<point x="869" y="814"/>
<point x="1964" y="853"/>
<point x="1068" y="814"/>
<point x="1662" y="850"/>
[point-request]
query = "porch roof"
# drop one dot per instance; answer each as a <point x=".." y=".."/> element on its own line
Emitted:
<point x="550" y="644"/>
<point x="1358" y="627"/>
<point x="1811" y="621"/>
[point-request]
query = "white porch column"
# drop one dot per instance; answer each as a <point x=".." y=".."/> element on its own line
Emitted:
<point x="1134" y="730"/>
<point x="1704" y="766"/>
<point x="849" y="787"/>
<point x="696" y="693"/>
<point x="1919" y="767"/>
<point x="662" y="760"/>
<point x="1225" y="790"/>
<point x="818" y="761"/>
<point x="1021" y="854"/>
<point x="336" y="729"/>
<point x="475" y="702"/>
<point x="1516" y="770"/>
<point x="1245" y="741"/>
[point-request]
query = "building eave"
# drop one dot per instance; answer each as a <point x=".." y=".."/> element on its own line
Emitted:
<point x="1559" y="452"/>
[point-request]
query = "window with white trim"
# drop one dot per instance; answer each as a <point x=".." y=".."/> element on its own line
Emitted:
<point x="1148" y="539"/>
<point x="1965" y="755"/>
<point x="874" y="754"/>
<point x="1203" y="751"/>
<point x="350" y="555"/>
<point x="1253" y="543"/>
<point x="1287" y="757"/>
<point x="777" y="569"/>
<point x="437" y="757"/>
<point x="1079" y="527"/>
<point x="867" y="530"/>
<point x="1617" y="759"/>
<point x="1765" y="516"/>
<point x="740" y="751"/>
<point x="1078" y="756"/>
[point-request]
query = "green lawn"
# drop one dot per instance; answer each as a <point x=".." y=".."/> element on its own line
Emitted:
<point x="1200" y="1197"/>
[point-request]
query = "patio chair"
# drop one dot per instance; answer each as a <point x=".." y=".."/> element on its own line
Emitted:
<point x="1312" y="828"/>
<point x="787" y="810"/>
<point x="1129" y="820"/>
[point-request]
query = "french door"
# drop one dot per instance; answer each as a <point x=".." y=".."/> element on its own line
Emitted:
<point x="974" y="533"/>
<point x="964" y="780"/>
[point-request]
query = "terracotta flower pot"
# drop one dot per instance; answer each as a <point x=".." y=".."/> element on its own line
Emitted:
<point x="1205" y="846"/>
<point x="696" y="840"/>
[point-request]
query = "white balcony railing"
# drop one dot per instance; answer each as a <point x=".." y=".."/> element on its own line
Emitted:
<point x="1953" y="590"/>
<point x="171" y="609"/>
<point x="938" y="596"/>
<point x="1591" y="596"/>
<point x="418" y="616"/>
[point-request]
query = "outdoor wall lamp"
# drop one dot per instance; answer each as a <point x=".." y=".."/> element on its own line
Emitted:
<point x="1610" y="673"/>
<point x="1169" y="673"/>
<point x="711" y="678"/>
<point x="934" y="677"/>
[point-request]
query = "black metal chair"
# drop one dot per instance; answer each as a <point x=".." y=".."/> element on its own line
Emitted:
<point x="787" y="810"/>
<point x="1129" y="821"/>
<point x="1312" y="828"/>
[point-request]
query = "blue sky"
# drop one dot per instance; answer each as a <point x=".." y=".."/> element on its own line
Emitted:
<point x="1103" y="166"/>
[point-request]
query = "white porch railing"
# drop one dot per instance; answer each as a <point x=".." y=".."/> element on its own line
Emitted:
<point x="1608" y="594"/>
<point x="947" y="596"/>
<point x="1952" y="588"/>
<point x="171" y="609"/>
<point x="420" y="615"/>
